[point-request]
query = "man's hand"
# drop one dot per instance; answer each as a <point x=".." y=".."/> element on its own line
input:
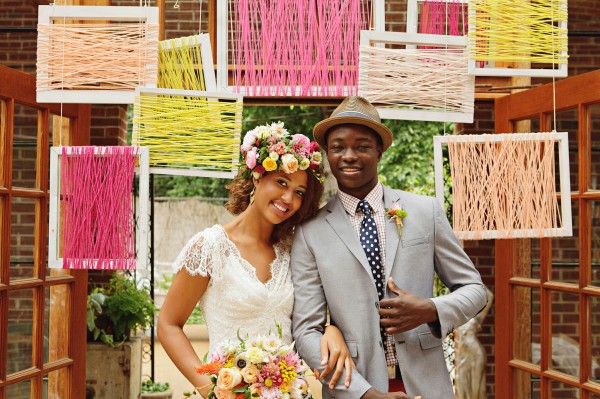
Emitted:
<point x="373" y="393"/>
<point x="406" y="311"/>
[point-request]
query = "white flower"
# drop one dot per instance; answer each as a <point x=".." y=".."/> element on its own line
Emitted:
<point x="304" y="164"/>
<point x="272" y="344"/>
<point x="254" y="355"/>
<point x="317" y="157"/>
<point x="274" y="155"/>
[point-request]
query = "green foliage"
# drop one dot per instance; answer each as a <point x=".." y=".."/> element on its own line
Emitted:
<point x="408" y="163"/>
<point x="113" y="312"/>
<point x="297" y="119"/>
<point x="149" y="386"/>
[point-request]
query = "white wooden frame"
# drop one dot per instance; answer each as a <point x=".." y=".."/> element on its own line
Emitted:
<point x="562" y="140"/>
<point x="56" y="14"/>
<point x="142" y="230"/>
<point x="491" y="70"/>
<point x="144" y="91"/>
<point x="368" y="38"/>
<point x="378" y="22"/>
<point x="203" y="40"/>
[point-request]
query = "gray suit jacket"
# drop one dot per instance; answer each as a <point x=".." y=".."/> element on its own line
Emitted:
<point x="330" y="272"/>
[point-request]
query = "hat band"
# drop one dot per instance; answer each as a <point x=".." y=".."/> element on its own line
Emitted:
<point x="354" y="113"/>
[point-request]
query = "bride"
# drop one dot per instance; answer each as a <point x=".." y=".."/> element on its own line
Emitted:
<point x="239" y="272"/>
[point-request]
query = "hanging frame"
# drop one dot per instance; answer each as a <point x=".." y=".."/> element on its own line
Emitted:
<point x="49" y="55"/>
<point x="148" y="131"/>
<point x="561" y="141"/>
<point x="482" y="66"/>
<point x="224" y="51"/>
<point x="55" y="261"/>
<point x="452" y="103"/>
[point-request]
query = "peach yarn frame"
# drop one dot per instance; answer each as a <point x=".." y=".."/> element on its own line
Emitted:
<point x="417" y="84"/>
<point x="504" y="185"/>
<point x="109" y="75"/>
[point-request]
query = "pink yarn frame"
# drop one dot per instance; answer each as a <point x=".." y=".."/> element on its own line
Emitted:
<point x="97" y="208"/>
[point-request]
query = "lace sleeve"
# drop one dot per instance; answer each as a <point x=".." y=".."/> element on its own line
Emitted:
<point x="195" y="256"/>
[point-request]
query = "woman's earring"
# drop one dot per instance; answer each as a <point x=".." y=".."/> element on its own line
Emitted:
<point x="252" y="195"/>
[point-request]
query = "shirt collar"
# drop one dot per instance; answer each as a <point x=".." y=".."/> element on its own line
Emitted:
<point x="374" y="198"/>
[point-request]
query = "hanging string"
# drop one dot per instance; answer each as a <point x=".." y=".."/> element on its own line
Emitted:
<point x="200" y="18"/>
<point x="553" y="68"/>
<point x="180" y="64"/>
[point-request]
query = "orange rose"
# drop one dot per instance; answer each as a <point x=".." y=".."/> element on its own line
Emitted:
<point x="229" y="378"/>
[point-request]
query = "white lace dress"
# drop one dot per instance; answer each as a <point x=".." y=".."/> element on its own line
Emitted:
<point x="235" y="297"/>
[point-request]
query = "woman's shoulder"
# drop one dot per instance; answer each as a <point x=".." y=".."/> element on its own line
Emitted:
<point x="208" y="235"/>
<point x="197" y="255"/>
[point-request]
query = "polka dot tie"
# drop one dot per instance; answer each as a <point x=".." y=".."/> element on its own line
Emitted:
<point x="370" y="244"/>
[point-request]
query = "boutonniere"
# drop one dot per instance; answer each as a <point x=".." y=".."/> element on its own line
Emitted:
<point x="397" y="214"/>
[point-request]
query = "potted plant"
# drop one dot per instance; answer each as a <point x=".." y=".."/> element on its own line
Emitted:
<point x="114" y="354"/>
<point x="114" y="311"/>
<point x="156" y="390"/>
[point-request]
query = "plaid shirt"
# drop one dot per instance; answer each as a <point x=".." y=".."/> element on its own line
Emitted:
<point x="375" y="200"/>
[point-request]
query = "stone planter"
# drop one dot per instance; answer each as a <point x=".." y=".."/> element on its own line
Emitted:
<point x="114" y="372"/>
<point x="168" y="394"/>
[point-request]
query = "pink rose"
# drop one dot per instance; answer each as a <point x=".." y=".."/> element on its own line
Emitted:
<point x="251" y="158"/>
<point x="314" y="146"/>
<point x="289" y="163"/>
<point x="278" y="147"/>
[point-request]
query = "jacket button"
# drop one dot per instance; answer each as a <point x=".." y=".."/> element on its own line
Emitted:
<point x="377" y="305"/>
<point x="380" y="344"/>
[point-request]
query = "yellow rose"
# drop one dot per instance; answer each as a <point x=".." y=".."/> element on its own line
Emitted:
<point x="250" y="373"/>
<point x="289" y="163"/>
<point x="269" y="164"/>
<point x="229" y="378"/>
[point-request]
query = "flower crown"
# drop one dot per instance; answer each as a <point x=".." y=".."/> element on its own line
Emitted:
<point x="269" y="148"/>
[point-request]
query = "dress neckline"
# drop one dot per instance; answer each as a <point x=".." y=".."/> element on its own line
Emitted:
<point x="249" y="266"/>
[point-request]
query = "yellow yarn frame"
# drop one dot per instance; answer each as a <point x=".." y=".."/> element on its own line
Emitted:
<point x="191" y="133"/>
<point x="517" y="31"/>
<point x="180" y="58"/>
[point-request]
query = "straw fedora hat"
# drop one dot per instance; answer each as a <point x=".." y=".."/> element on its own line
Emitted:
<point x="354" y="110"/>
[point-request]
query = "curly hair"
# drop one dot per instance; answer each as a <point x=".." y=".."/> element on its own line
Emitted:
<point x="240" y="189"/>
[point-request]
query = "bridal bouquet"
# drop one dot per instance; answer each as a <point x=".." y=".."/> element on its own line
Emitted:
<point x="256" y="367"/>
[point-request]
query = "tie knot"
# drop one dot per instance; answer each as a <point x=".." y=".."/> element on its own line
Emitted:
<point x="364" y="206"/>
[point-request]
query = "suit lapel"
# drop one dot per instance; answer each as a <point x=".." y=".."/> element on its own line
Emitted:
<point x="339" y="222"/>
<point x="392" y="241"/>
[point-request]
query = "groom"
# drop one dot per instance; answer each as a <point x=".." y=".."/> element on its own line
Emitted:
<point x="374" y="281"/>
